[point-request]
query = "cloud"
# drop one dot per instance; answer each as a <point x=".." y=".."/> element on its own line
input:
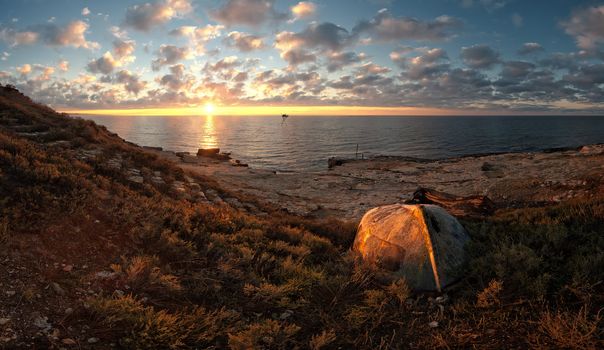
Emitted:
<point x="199" y="36"/>
<point x="247" y="12"/>
<point x="294" y="47"/>
<point x="85" y="11"/>
<point x="428" y="64"/>
<point x="104" y="64"/>
<point x="479" y="56"/>
<point x="170" y="54"/>
<point x="73" y="34"/>
<point x="528" y="48"/>
<point x="122" y="55"/>
<point x="132" y="83"/>
<point x="516" y="69"/>
<point x="338" y="60"/>
<point x="124" y="49"/>
<point x="244" y="42"/>
<point x="385" y="27"/>
<point x="63" y="65"/>
<point x="587" y="26"/>
<point x="303" y="9"/>
<point x="145" y="16"/>
<point x="5" y="55"/>
<point x="24" y="69"/>
<point x="15" y="38"/>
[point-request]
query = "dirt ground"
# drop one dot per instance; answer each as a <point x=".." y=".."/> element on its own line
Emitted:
<point x="349" y="190"/>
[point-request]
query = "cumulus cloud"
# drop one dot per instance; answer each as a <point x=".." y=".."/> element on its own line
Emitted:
<point x="479" y="56"/>
<point x="63" y="65"/>
<point x="14" y="38"/>
<point x="244" y="42"/>
<point x="24" y="69"/>
<point x="587" y="26"/>
<point x="323" y="37"/>
<point x="104" y="64"/>
<point x="303" y="9"/>
<point x="338" y="60"/>
<point x="85" y="11"/>
<point x="385" y="27"/>
<point x="131" y="82"/>
<point x="73" y="34"/>
<point x="529" y="48"/>
<point x="122" y="55"/>
<point x="247" y="12"/>
<point x="199" y="36"/>
<point x="145" y="16"/>
<point x="170" y="54"/>
<point x="124" y="49"/>
<point x="516" y="69"/>
<point x="428" y="64"/>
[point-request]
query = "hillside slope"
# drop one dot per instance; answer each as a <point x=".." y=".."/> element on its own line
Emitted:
<point x="104" y="245"/>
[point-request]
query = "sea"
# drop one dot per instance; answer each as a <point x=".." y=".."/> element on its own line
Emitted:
<point x="305" y="143"/>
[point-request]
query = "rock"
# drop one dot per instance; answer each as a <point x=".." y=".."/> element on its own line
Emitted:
<point x="208" y="152"/>
<point x="333" y="162"/>
<point x="422" y="243"/>
<point x="105" y="274"/>
<point x="68" y="268"/>
<point x="93" y="340"/>
<point x="433" y="324"/>
<point x="42" y="323"/>
<point x="152" y="148"/>
<point x="237" y="162"/>
<point x="187" y="158"/>
<point x="68" y="341"/>
<point x="136" y="179"/>
<point x="57" y="288"/>
<point x="4" y="321"/>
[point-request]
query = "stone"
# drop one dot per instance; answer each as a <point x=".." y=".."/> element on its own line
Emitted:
<point x="4" y="321"/>
<point x="422" y="243"/>
<point x="68" y="341"/>
<point x="136" y="179"/>
<point x="208" y="152"/>
<point x="93" y="340"/>
<point x="57" y="288"/>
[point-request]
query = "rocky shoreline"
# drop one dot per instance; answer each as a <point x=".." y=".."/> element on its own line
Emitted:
<point x="352" y="186"/>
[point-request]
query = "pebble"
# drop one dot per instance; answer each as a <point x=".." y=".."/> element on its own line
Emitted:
<point x="10" y="293"/>
<point x="433" y="324"/>
<point x="4" y="321"/>
<point x="68" y="268"/>
<point x="57" y="288"/>
<point x="68" y="341"/>
<point x="93" y="340"/>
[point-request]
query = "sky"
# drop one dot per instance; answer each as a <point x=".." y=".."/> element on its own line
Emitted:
<point x="309" y="57"/>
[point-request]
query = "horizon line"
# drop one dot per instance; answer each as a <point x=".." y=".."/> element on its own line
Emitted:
<point x="315" y="111"/>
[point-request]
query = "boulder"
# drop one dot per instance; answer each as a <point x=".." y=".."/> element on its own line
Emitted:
<point x="422" y="243"/>
<point x="208" y="152"/>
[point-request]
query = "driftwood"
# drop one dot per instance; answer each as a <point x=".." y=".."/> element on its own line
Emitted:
<point x="456" y="205"/>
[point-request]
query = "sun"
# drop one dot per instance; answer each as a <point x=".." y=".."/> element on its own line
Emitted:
<point x="209" y="108"/>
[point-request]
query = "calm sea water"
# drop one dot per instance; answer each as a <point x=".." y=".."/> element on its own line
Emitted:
<point x="305" y="143"/>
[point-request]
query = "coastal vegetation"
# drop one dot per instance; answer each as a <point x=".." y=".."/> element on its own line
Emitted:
<point x="140" y="265"/>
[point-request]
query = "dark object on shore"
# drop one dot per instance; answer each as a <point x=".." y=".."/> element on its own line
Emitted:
<point x="153" y="148"/>
<point x="456" y="205"/>
<point x="237" y="162"/>
<point x="213" y="153"/>
<point x="333" y="162"/>
<point x="208" y="152"/>
<point x="422" y="243"/>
